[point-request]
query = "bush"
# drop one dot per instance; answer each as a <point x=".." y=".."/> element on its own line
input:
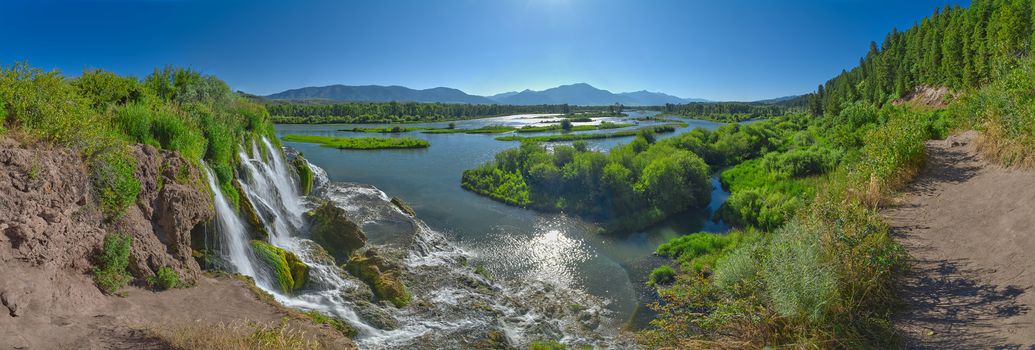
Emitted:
<point x="664" y="274"/>
<point x="799" y="282"/>
<point x="165" y="279"/>
<point x="113" y="180"/>
<point x="110" y="266"/>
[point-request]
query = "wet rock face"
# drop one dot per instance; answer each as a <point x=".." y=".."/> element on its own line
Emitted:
<point x="48" y="215"/>
<point x="170" y="205"/>
<point x="331" y="227"/>
<point x="382" y="274"/>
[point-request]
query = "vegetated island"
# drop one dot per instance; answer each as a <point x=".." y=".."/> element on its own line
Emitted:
<point x="492" y="129"/>
<point x="362" y="143"/>
<point x="573" y="137"/>
<point x="313" y="112"/>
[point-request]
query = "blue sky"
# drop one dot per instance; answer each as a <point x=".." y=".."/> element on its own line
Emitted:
<point x="719" y="50"/>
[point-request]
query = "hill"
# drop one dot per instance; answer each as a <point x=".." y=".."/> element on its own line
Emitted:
<point x="378" y="93"/>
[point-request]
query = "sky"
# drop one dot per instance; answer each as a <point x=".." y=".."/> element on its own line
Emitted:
<point x="728" y="50"/>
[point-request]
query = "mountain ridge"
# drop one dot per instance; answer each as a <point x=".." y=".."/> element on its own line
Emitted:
<point x="573" y="94"/>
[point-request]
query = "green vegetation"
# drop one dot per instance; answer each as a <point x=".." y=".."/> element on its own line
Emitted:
<point x="110" y="266"/>
<point x="395" y="112"/>
<point x="815" y="266"/>
<point x="728" y="112"/>
<point x="559" y="127"/>
<point x="574" y="137"/>
<point x="546" y="345"/>
<point x="305" y="174"/>
<point x="488" y="129"/>
<point x="343" y="327"/>
<point x="165" y="279"/>
<point x="381" y="275"/>
<point x="664" y="274"/>
<point x="632" y="186"/>
<point x="385" y="130"/>
<point x="359" y="142"/>
<point x="100" y="113"/>
<point x="289" y="271"/>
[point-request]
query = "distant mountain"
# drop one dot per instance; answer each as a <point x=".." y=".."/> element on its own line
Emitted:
<point x="575" y="94"/>
<point x="647" y="98"/>
<point x="792" y="99"/>
<point x="587" y="95"/>
<point x="377" y="93"/>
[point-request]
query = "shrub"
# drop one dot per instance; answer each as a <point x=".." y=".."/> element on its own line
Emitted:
<point x="110" y="266"/>
<point x="799" y="282"/>
<point x="135" y="121"/>
<point x="165" y="279"/>
<point x="173" y="133"/>
<point x="113" y="180"/>
<point x="664" y="274"/>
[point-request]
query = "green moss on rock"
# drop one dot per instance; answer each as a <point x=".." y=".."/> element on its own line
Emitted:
<point x="332" y="229"/>
<point x="381" y="275"/>
<point x="251" y="215"/>
<point x="305" y="174"/>
<point x="289" y="271"/>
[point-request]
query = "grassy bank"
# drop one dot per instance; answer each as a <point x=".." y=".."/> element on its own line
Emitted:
<point x="364" y="143"/>
<point x="100" y="113"/>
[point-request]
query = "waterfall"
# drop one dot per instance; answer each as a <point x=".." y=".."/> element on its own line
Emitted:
<point x="233" y="238"/>
<point x="462" y="302"/>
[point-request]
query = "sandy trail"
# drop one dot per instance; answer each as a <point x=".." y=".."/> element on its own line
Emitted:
<point x="969" y="228"/>
<point x="64" y="310"/>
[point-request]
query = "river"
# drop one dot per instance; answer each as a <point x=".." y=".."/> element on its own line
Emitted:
<point x="511" y="242"/>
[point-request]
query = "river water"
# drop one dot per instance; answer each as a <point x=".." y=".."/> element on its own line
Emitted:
<point x="512" y="243"/>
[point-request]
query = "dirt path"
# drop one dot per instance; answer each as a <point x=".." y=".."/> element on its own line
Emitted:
<point x="59" y="309"/>
<point x="969" y="228"/>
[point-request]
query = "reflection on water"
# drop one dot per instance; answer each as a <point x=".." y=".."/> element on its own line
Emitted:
<point x="511" y="242"/>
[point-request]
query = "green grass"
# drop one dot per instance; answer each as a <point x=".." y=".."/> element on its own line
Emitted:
<point x="110" y="265"/>
<point x="574" y="137"/>
<point x="489" y="129"/>
<point x="165" y="279"/>
<point x="341" y="326"/>
<point x="384" y="130"/>
<point x="363" y="143"/>
<point x="558" y="127"/>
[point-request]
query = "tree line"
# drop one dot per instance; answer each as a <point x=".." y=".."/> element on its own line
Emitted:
<point x="391" y="112"/>
<point x="960" y="48"/>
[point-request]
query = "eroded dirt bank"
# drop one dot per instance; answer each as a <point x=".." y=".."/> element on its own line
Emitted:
<point x="969" y="228"/>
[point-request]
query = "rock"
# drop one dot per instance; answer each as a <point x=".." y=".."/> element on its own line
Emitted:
<point x="289" y="271"/>
<point x="382" y="275"/>
<point x="375" y="316"/>
<point x="331" y="228"/>
<point x="253" y="214"/>
<point x="305" y="174"/>
<point x="171" y="204"/>
<point x="403" y="206"/>
<point x="11" y="302"/>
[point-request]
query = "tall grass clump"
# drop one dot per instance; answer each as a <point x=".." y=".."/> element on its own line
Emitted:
<point x="800" y="283"/>
<point x="110" y="266"/>
<point x="1004" y="111"/>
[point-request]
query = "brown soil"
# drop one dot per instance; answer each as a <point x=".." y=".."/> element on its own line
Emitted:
<point x="969" y="228"/>
<point x="927" y="96"/>
<point x="59" y="309"/>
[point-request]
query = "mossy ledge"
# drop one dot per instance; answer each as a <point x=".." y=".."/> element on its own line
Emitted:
<point x="381" y="275"/>
<point x="305" y="174"/>
<point x="289" y="271"/>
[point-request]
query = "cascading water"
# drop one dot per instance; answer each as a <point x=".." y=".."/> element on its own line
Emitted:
<point x="458" y="305"/>
<point x="233" y="239"/>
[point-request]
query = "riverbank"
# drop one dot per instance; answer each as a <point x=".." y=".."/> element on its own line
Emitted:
<point x="966" y="225"/>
